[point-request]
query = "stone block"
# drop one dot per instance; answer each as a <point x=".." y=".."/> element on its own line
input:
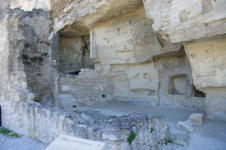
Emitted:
<point x="73" y="143"/>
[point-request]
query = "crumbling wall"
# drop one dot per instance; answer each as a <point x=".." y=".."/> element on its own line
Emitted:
<point x="13" y="78"/>
<point x="46" y="124"/>
<point x="37" y="53"/>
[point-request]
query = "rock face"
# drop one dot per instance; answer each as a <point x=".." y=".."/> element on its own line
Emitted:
<point x="74" y="54"/>
<point x="179" y="21"/>
<point x="36" y="53"/>
<point x="207" y="60"/>
<point x="80" y="52"/>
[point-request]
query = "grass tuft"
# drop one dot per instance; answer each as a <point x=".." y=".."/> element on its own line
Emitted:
<point x="8" y="133"/>
<point x="167" y="141"/>
<point x="5" y="131"/>
<point x="131" y="137"/>
<point x="152" y="130"/>
<point x="15" y="135"/>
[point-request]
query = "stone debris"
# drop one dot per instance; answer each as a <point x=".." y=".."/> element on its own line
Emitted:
<point x="196" y="119"/>
<point x="194" y="122"/>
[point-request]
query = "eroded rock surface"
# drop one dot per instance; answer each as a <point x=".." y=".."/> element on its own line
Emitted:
<point x="73" y="53"/>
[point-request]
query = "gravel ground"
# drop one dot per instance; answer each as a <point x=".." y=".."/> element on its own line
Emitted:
<point x="22" y="143"/>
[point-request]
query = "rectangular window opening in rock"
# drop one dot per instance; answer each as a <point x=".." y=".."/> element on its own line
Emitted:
<point x="74" y="54"/>
<point x="178" y="85"/>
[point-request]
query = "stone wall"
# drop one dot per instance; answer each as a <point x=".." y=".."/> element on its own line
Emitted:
<point x="37" y="53"/>
<point x="13" y="78"/>
<point x="46" y="124"/>
<point x="26" y="47"/>
<point x="87" y="88"/>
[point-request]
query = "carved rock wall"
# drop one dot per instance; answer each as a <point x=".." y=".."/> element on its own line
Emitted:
<point x="127" y="39"/>
<point x="208" y="61"/>
<point x="74" y="54"/>
<point x="176" y="84"/>
<point x="179" y="21"/>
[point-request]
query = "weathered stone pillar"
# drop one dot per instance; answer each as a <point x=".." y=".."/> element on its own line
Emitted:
<point x="208" y="62"/>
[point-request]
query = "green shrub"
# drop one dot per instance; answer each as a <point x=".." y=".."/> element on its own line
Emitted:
<point x="131" y="137"/>
<point x="167" y="141"/>
<point x="8" y="133"/>
<point x="152" y="130"/>
<point x="5" y="131"/>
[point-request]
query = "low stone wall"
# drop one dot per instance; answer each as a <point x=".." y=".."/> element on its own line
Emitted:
<point x="45" y="124"/>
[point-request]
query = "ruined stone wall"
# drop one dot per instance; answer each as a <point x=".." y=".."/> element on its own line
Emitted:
<point x="46" y="124"/>
<point x="27" y="51"/>
<point x="36" y="53"/>
<point x="87" y="88"/>
<point x="13" y="78"/>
